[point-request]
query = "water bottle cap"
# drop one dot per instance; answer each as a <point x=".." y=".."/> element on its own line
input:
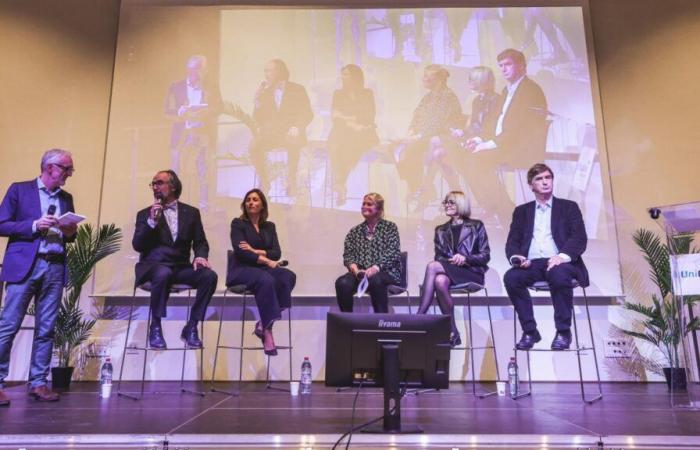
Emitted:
<point x="512" y="358"/>
<point x="306" y="357"/>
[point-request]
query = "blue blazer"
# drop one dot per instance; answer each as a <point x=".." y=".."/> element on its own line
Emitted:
<point x="19" y="209"/>
<point x="568" y="231"/>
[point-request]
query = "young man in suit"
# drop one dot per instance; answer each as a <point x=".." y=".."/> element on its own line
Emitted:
<point x="546" y="240"/>
<point x="35" y="265"/>
<point x="520" y="133"/>
<point x="164" y="234"/>
<point x="282" y="113"/>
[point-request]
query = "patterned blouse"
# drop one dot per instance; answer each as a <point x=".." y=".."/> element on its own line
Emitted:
<point x="437" y="112"/>
<point x="384" y="249"/>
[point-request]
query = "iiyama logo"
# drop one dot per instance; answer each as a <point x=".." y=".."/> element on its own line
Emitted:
<point x="389" y="324"/>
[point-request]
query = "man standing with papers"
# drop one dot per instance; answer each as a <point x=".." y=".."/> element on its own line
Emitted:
<point x="35" y="265"/>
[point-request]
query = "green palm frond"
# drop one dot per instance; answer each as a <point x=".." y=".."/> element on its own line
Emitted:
<point x="90" y="246"/>
<point x="659" y="322"/>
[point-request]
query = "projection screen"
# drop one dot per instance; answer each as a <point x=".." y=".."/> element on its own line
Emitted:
<point x="412" y="152"/>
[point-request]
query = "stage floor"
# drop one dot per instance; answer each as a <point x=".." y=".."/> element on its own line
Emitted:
<point x="630" y="416"/>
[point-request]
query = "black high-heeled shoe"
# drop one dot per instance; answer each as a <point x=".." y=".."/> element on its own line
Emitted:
<point x="260" y="333"/>
<point x="455" y="340"/>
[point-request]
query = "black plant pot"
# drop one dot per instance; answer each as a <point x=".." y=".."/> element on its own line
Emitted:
<point x="60" y="377"/>
<point x="675" y="378"/>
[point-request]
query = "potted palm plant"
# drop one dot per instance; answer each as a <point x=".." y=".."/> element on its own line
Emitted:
<point x="660" y="321"/>
<point x="72" y="326"/>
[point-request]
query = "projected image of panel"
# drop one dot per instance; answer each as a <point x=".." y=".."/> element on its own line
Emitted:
<point x="319" y="107"/>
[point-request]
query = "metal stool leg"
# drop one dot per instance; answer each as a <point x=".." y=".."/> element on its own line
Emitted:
<point x="595" y="356"/>
<point x="515" y="353"/>
<point x="482" y="394"/>
<point x="145" y="353"/>
<point x="126" y="343"/>
<point x="216" y="351"/>
<point x="493" y="336"/>
<point x="240" y="360"/>
<point x="269" y="384"/>
<point x="184" y="352"/>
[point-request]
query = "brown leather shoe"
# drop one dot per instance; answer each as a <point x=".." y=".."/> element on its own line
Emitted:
<point x="43" y="394"/>
<point x="4" y="399"/>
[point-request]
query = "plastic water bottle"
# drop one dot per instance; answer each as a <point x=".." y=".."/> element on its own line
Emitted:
<point x="305" y="380"/>
<point x="513" y="379"/>
<point x="106" y="378"/>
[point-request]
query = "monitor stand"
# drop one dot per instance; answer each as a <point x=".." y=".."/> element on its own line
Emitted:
<point x="392" y="396"/>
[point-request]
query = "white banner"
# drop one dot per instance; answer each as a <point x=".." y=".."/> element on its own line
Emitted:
<point x="685" y="271"/>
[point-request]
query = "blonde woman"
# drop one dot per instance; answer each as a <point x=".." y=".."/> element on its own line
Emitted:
<point x="461" y="256"/>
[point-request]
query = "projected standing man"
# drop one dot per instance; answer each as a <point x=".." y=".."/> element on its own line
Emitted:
<point x="546" y="240"/>
<point x="192" y="106"/>
<point x="164" y="234"/>
<point x="520" y="133"/>
<point x="35" y="265"/>
<point x="282" y="113"/>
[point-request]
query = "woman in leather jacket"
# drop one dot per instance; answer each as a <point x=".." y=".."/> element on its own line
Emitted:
<point x="461" y="256"/>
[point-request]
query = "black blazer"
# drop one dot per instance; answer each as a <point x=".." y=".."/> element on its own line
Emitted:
<point x="568" y="231"/>
<point x="473" y="244"/>
<point x="243" y="230"/>
<point x="156" y="245"/>
<point x="294" y="111"/>
<point x="524" y="131"/>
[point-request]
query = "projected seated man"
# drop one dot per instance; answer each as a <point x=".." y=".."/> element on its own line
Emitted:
<point x="192" y="106"/>
<point x="429" y="140"/>
<point x="282" y="113"/>
<point x="520" y="133"/>
<point x="164" y="234"/>
<point x="256" y="265"/>
<point x="372" y="252"/>
<point x="546" y="240"/>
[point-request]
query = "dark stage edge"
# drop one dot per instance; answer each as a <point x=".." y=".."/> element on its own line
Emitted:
<point x="631" y="415"/>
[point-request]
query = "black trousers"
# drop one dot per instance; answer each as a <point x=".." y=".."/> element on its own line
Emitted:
<point x="272" y="288"/>
<point x="346" y="287"/>
<point x="162" y="277"/>
<point x="560" y="280"/>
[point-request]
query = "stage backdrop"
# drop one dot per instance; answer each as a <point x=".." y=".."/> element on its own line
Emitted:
<point x="314" y="210"/>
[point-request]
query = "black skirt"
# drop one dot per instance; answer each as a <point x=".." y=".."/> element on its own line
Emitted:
<point x="461" y="274"/>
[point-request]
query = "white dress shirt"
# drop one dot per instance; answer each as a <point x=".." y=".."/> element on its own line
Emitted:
<point x="542" y="244"/>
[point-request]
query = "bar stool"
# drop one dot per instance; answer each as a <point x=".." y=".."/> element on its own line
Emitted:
<point x="241" y="291"/>
<point x="174" y="289"/>
<point x="543" y="286"/>
<point x="468" y="289"/>
<point x="396" y="290"/>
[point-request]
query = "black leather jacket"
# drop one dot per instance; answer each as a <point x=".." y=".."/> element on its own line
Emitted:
<point x="473" y="244"/>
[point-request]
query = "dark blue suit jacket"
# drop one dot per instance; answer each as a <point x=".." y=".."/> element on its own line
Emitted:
<point x="19" y="209"/>
<point x="568" y="231"/>
<point x="156" y="245"/>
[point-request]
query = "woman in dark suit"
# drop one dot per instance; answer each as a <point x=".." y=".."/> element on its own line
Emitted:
<point x="372" y="251"/>
<point x="461" y="256"/>
<point x="354" y="131"/>
<point x="256" y="264"/>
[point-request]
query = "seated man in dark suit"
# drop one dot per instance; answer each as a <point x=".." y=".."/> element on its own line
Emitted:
<point x="165" y="232"/>
<point x="546" y="240"/>
<point x="282" y="113"/>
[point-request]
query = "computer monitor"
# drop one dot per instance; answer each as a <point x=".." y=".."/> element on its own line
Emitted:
<point x="355" y="343"/>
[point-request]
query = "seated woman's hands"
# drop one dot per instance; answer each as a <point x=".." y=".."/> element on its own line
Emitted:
<point x="458" y="259"/>
<point x="245" y="246"/>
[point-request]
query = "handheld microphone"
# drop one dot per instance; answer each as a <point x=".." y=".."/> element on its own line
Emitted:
<point x="49" y="212"/>
<point x="283" y="263"/>
<point x="159" y="197"/>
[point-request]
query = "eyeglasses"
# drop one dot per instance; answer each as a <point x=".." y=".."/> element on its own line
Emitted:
<point x="69" y="169"/>
<point x="447" y="203"/>
<point x="156" y="183"/>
